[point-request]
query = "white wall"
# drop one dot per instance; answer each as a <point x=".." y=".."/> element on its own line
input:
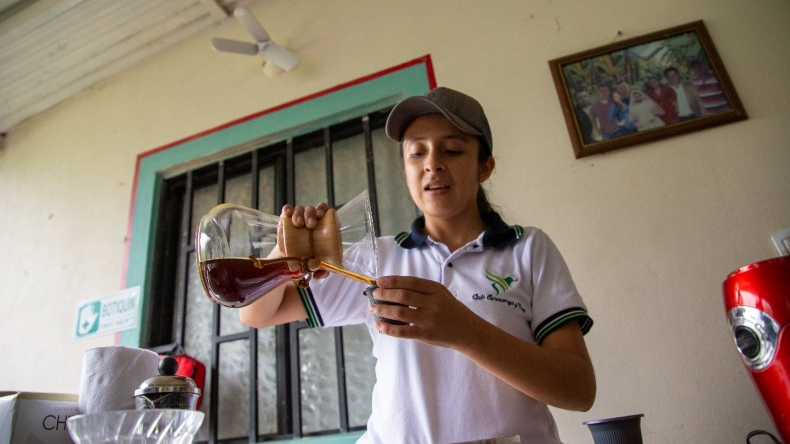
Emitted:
<point x="649" y="232"/>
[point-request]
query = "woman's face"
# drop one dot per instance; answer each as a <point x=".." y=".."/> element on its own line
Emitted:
<point x="441" y="166"/>
<point x="638" y="98"/>
<point x="654" y="83"/>
<point x="617" y="97"/>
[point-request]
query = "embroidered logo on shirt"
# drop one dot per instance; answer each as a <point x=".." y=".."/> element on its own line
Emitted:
<point x="500" y="283"/>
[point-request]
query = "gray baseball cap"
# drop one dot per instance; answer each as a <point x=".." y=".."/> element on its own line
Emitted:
<point x="463" y="111"/>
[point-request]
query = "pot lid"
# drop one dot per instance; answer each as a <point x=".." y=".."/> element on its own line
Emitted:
<point x="167" y="381"/>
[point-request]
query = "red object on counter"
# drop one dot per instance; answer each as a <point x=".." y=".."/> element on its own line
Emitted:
<point x="192" y="368"/>
<point x="757" y="300"/>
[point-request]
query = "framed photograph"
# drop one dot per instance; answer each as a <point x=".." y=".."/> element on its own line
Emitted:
<point x="642" y="89"/>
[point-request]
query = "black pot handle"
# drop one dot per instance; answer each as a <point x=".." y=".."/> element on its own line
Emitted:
<point x="760" y="432"/>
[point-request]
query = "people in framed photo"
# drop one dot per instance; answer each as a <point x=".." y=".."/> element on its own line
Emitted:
<point x="642" y="89"/>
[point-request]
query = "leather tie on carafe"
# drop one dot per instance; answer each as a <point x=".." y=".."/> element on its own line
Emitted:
<point x="307" y="275"/>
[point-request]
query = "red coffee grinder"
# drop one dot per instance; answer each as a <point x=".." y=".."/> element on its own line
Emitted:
<point x="757" y="300"/>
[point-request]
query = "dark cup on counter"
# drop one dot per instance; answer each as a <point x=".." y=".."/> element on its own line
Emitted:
<point x="369" y="294"/>
<point x="620" y="430"/>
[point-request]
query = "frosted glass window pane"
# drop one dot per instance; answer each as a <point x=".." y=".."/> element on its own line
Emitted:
<point x="238" y="191"/>
<point x="197" y="340"/>
<point x="267" y="381"/>
<point x="229" y="322"/>
<point x="310" y="171"/>
<point x="197" y="335"/>
<point x="234" y="390"/>
<point x="360" y="373"/>
<point x="350" y="168"/>
<point x="266" y="190"/>
<point x="203" y="200"/>
<point x="178" y="322"/>
<point x="199" y="308"/>
<point x="318" y="379"/>
<point x="396" y="209"/>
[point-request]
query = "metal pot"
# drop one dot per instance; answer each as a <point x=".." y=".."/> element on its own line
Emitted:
<point x="168" y="390"/>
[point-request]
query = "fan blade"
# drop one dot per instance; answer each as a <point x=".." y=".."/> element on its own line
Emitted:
<point x="234" y="46"/>
<point x="280" y="56"/>
<point x="251" y="23"/>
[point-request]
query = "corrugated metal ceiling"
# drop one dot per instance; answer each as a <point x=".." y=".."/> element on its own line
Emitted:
<point x="53" y="49"/>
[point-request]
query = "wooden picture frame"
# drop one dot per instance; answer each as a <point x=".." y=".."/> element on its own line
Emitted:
<point x="642" y="68"/>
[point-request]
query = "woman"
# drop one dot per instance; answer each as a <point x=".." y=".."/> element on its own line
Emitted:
<point x="665" y="97"/>
<point x="618" y="114"/>
<point x="644" y="112"/>
<point x="492" y="325"/>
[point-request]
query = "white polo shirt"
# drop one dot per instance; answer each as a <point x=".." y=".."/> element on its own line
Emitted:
<point x="514" y="278"/>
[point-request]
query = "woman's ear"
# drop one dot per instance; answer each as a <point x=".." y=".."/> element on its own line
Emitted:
<point x="486" y="169"/>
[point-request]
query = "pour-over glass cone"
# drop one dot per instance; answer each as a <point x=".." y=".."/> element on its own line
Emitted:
<point x="358" y="237"/>
<point x="233" y="241"/>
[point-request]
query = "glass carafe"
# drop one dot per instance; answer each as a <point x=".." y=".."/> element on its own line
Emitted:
<point x="233" y="243"/>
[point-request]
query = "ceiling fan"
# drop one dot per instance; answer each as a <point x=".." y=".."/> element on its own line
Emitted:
<point x="283" y="59"/>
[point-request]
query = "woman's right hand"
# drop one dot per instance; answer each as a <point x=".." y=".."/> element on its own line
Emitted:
<point x="305" y="216"/>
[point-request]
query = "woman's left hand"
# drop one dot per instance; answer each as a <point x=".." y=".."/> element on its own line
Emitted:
<point x="432" y="314"/>
<point x="557" y="372"/>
